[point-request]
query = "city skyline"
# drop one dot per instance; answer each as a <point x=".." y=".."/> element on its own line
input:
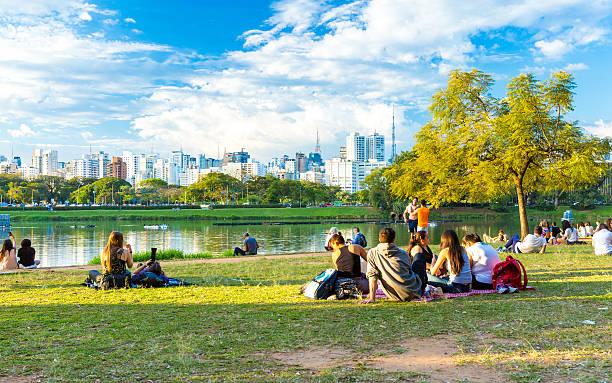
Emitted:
<point x="266" y="75"/>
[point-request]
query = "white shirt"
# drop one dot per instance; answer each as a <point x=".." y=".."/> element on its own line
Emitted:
<point x="484" y="258"/>
<point x="531" y="244"/>
<point x="589" y="230"/>
<point x="582" y="232"/>
<point x="602" y="242"/>
<point x="571" y="234"/>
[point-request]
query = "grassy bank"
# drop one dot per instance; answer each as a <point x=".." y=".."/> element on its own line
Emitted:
<point x="339" y="213"/>
<point x="246" y="322"/>
<point x="467" y="214"/>
<point x="167" y="255"/>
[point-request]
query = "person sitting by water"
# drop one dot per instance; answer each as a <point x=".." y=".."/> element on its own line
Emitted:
<point x="249" y="246"/>
<point x="26" y="255"/>
<point x="359" y="238"/>
<point x="483" y="258"/>
<point x="346" y="259"/>
<point x="150" y="274"/>
<point x="422" y="256"/>
<point x="423" y="217"/>
<point x="391" y="266"/>
<point x="455" y="258"/>
<point x="602" y="240"/>
<point x="545" y="229"/>
<point x="570" y="234"/>
<point x="115" y="260"/>
<point x="8" y="258"/>
<point x="532" y="243"/>
<point x="332" y="231"/>
<point x="501" y="237"/>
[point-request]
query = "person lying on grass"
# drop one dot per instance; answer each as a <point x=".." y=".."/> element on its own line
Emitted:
<point x="346" y="259"/>
<point x="532" y="243"/>
<point x="455" y="258"/>
<point x="393" y="267"/>
<point x="150" y="274"/>
<point x="115" y="263"/>
<point x="483" y="258"/>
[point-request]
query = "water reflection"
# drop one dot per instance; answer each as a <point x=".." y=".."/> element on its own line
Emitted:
<point x="61" y="245"/>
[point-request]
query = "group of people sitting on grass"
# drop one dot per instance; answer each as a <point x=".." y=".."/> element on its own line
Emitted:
<point x="404" y="275"/>
<point x="116" y="261"/>
<point x="11" y="258"/>
<point x="553" y="235"/>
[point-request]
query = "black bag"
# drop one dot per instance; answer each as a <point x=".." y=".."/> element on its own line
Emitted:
<point x="346" y="288"/>
<point x="116" y="281"/>
<point x="151" y="280"/>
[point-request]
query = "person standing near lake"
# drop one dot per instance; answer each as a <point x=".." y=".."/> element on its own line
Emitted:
<point x="249" y="246"/>
<point x="423" y="217"/>
<point x="410" y="215"/>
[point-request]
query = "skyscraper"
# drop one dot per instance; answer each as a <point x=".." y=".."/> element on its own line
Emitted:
<point x="44" y="161"/>
<point x="355" y="147"/>
<point x="375" y="147"/>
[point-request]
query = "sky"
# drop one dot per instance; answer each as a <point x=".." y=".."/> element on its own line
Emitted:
<point x="213" y="75"/>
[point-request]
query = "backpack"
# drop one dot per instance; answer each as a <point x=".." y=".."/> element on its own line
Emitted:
<point x="508" y="272"/>
<point x="360" y="240"/>
<point x="321" y="286"/>
<point x="346" y="288"/>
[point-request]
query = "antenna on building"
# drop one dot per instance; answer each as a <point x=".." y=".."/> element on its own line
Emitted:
<point x="318" y="146"/>
<point x="393" y="153"/>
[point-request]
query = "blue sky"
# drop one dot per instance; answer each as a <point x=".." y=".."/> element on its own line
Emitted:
<point x="214" y="75"/>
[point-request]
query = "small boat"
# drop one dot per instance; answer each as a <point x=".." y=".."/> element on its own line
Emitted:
<point x="432" y="224"/>
<point x="156" y="227"/>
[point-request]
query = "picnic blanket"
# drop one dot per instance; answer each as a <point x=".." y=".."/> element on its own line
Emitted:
<point x="381" y="294"/>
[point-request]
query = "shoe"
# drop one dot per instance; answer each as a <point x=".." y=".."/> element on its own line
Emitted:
<point x="512" y="289"/>
<point x="502" y="289"/>
<point x="332" y="297"/>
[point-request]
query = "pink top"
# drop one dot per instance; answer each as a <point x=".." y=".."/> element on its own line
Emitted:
<point x="9" y="261"/>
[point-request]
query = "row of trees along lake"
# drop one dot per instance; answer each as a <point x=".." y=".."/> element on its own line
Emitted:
<point x="215" y="188"/>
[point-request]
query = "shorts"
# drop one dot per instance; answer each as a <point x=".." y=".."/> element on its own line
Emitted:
<point x="412" y="225"/>
<point x="421" y="228"/>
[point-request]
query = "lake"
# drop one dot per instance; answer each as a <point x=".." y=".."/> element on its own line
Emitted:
<point x="57" y="244"/>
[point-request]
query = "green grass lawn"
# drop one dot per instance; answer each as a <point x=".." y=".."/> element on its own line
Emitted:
<point x="195" y="214"/>
<point x="228" y="326"/>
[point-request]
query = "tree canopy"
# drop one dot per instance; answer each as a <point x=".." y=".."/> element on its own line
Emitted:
<point x="477" y="147"/>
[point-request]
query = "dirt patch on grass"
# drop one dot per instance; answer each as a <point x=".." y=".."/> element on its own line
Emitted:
<point x="20" y="379"/>
<point x="313" y="358"/>
<point x="437" y="358"/>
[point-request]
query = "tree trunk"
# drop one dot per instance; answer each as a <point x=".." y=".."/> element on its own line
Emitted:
<point x="556" y="199"/>
<point x="522" y="209"/>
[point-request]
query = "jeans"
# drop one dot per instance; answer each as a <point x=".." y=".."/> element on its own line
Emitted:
<point x="511" y="244"/>
<point x="476" y="285"/>
<point x="239" y="251"/>
<point x="419" y="268"/>
<point x="446" y="285"/>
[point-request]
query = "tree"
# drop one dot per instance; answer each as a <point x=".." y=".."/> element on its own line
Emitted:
<point x="477" y="147"/>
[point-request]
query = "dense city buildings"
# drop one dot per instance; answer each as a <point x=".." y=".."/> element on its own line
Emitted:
<point x="360" y="156"/>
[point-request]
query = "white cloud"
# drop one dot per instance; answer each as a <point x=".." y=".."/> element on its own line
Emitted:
<point x="553" y="49"/>
<point x="574" y="67"/>
<point x="129" y="20"/>
<point x="600" y="128"/>
<point x="22" y="131"/>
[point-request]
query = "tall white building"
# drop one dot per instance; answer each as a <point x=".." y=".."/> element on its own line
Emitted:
<point x="44" y="161"/>
<point x="349" y="175"/>
<point x="355" y="147"/>
<point x="375" y="147"/>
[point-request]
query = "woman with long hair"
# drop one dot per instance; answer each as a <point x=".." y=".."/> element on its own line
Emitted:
<point x="346" y="259"/>
<point x="422" y="256"/>
<point x="8" y="257"/>
<point x="457" y="262"/>
<point x="115" y="262"/>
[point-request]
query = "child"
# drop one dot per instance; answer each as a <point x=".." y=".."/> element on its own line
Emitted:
<point x="26" y="255"/>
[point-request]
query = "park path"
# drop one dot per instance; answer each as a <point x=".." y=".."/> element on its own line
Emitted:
<point x="204" y="260"/>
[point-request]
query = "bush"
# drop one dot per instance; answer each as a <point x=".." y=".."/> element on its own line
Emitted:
<point x="544" y="207"/>
<point x="498" y="207"/>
